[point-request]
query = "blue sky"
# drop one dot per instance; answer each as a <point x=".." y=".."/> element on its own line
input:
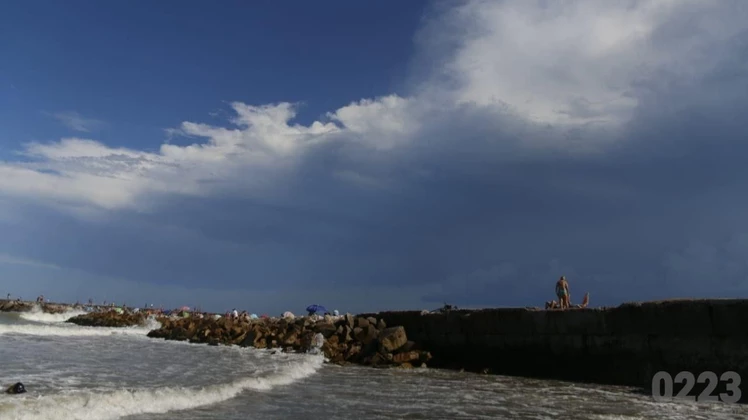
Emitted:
<point x="372" y="155"/>
<point x="144" y="67"/>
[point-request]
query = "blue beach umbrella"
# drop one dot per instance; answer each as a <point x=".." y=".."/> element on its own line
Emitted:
<point x="312" y="309"/>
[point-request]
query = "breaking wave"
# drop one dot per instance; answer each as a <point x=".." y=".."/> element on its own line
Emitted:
<point x="127" y="402"/>
<point x="70" y="330"/>
<point x="37" y="315"/>
<point x="56" y="326"/>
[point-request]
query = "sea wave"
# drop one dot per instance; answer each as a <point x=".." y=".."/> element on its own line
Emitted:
<point x="127" y="402"/>
<point x="70" y="330"/>
<point x="37" y="315"/>
<point x="44" y="324"/>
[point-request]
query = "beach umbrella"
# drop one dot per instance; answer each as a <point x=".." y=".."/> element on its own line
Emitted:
<point x="184" y="308"/>
<point x="315" y="308"/>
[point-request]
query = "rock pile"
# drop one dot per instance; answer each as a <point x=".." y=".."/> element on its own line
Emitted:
<point x="24" y="306"/>
<point x="109" y="319"/>
<point x="348" y="339"/>
<point x="15" y="306"/>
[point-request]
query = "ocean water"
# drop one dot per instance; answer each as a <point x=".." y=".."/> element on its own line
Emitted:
<point x="74" y="372"/>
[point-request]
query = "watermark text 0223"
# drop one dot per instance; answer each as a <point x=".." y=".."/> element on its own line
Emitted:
<point x="712" y="387"/>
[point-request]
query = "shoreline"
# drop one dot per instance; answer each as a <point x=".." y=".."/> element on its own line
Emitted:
<point x="623" y="345"/>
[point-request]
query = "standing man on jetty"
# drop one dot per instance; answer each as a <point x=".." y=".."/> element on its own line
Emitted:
<point x="562" y="291"/>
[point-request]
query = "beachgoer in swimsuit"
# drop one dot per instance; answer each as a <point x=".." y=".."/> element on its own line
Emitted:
<point x="562" y="291"/>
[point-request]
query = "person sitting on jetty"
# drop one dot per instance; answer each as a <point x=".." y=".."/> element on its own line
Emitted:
<point x="562" y="292"/>
<point x="585" y="301"/>
<point x="552" y="304"/>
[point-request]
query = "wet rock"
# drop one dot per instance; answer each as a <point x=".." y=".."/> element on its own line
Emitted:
<point x="367" y="335"/>
<point x="406" y="357"/>
<point x="381" y="325"/>
<point x="347" y="340"/>
<point x="109" y="319"/>
<point x="408" y="346"/>
<point x="11" y="305"/>
<point x="326" y="328"/>
<point x="362" y="323"/>
<point x="348" y="319"/>
<point x="392" y="339"/>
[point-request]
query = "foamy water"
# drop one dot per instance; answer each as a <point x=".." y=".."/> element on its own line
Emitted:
<point x="83" y="405"/>
<point x="38" y="323"/>
<point x="37" y="315"/>
<point x="74" y="372"/>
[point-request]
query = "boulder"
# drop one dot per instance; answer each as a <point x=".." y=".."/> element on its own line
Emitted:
<point x="348" y="319"/>
<point x="362" y="322"/>
<point x="290" y="340"/>
<point x="406" y="357"/>
<point x="109" y="319"/>
<point x="367" y="335"/>
<point x="409" y="345"/>
<point x="381" y="325"/>
<point x="178" y="334"/>
<point x="326" y="328"/>
<point x="345" y="335"/>
<point x="391" y="339"/>
<point x="353" y="353"/>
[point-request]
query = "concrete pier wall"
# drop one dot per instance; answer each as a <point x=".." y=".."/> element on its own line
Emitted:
<point x="624" y="345"/>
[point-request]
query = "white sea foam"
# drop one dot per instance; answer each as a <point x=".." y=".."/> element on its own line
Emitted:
<point x="125" y="402"/>
<point x="54" y="325"/>
<point x="69" y="330"/>
<point x="37" y="315"/>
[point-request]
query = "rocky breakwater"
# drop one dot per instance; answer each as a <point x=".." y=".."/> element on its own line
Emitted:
<point x="109" y="319"/>
<point x="24" y="306"/>
<point x="347" y="339"/>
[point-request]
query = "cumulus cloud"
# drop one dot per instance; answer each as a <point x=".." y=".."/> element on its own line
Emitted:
<point x="578" y="62"/>
<point x="569" y="137"/>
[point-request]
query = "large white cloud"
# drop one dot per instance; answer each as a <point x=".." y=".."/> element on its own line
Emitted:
<point x="579" y="62"/>
<point x="569" y="63"/>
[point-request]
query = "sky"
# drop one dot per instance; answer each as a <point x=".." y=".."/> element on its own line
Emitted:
<point x="373" y="155"/>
